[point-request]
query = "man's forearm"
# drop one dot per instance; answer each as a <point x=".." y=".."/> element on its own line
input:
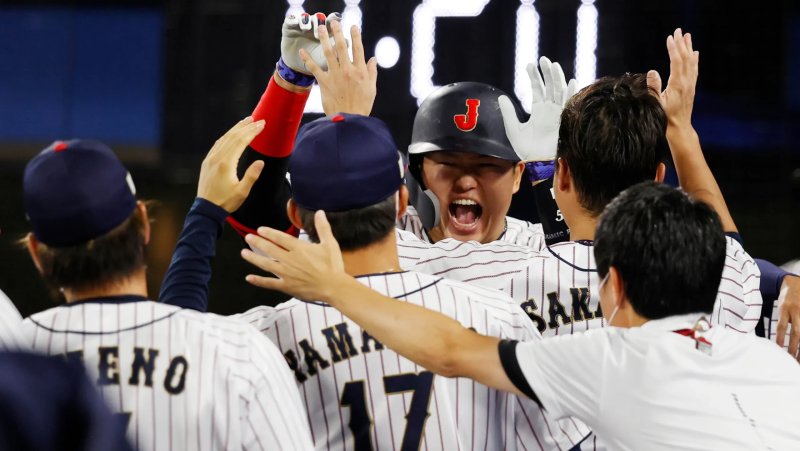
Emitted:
<point x="423" y="336"/>
<point x="694" y="174"/>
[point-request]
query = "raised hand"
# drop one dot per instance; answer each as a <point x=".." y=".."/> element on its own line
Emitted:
<point x="302" y="32"/>
<point x="789" y="308"/>
<point x="537" y="138"/>
<point x="347" y="86"/>
<point x="678" y="97"/>
<point x="218" y="182"/>
<point x="305" y="270"/>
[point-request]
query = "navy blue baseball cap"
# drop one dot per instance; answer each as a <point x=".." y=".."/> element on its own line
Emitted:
<point x="75" y="191"/>
<point x="344" y="162"/>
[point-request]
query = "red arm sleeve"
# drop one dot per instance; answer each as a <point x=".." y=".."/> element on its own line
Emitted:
<point x="282" y="109"/>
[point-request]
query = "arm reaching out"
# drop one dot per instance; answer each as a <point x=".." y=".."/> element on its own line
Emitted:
<point x="315" y="271"/>
<point x="677" y="99"/>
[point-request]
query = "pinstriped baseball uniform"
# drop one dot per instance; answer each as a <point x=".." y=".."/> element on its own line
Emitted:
<point x="410" y="248"/>
<point x="517" y="231"/>
<point x="556" y="286"/>
<point x="11" y="337"/>
<point x="181" y="379"/>
<point x="360" y="395"/>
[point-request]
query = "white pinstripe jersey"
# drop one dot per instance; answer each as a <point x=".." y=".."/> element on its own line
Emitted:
<point x="183" y="380"/>
<point x="517" y="231"/>
<point x="362" y="396"/>
<point x="11" y="337"/>
<point x="555" y="287"/>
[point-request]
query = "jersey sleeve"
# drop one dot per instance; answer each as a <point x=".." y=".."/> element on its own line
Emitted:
<point x="275" y="416"/>
<point x="186" y="283"/>
<point x="738" y="305"/>
<point x="261" y="317"/>
<point x="561" y="372"/>
<point x="11" y="336"/>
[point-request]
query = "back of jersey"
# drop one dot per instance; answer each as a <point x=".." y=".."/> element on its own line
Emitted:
<point x="180" y="379"/>
<point x="363" y="396"/>
<point x="557" y="287"/>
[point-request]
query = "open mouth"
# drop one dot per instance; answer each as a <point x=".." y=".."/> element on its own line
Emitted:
<point x="465" y="215"/>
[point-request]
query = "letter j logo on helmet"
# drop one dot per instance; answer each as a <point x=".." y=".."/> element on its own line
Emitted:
<point x="467" y="122"/>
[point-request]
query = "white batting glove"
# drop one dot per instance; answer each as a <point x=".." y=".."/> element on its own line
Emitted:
<point x="300" y="32"/>
<point x="537" y="139"/>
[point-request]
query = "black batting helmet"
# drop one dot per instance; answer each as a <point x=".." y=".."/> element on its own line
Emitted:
<point x="462" y="117"/>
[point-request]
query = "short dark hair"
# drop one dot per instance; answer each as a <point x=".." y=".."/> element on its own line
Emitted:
<point x="358" y="228"/>
<point x="668" y="248"/>
<point x="612" y="136"/>
<point x="97" y="262"/>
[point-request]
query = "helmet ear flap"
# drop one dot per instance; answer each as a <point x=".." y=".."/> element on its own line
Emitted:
<point x="415" y="168"/>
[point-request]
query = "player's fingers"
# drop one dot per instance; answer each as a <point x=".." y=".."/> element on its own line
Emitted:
<point x="675" y="63"/>
<point x="261" y="261"/>
<point x="266" y="247"/>
<point x="304" y="22"/>
<point x="688" y="39"/>
<point x="794" y="336"/>
<point x="509" y="113"/>
<point x="537" y="84"/>
<point x="324" y="231"/>
<point x="269" y="283"/>
<point x="372" y="69"/>
<point x="317" y="22"/>
<point x="278" y="239"/>
<point x="291" y="21"/>
<point x="559" y="84"/>
<point x="358" y="47"/>
<point x="327" y="47"/>
<point x="311" y="65"/>
<point x="250" y="177"/>
<point x="340" y="43"/>
<point x="654" y="82"/>
<point x="547" y="73"/>
<point x="222" y="143"/>
<point x="780" y="330"/>
<point x="572" y="88"/>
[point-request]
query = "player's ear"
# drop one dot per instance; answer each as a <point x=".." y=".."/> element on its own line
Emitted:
<point x="142" y="211"/>
<point x="562" y="180"/>
<point x="293" y="214"/>
<point x="661" y="172"/>
<point x="402" y="201"/>
<point x="519" y="169"/>
<point x="33" y="249"/>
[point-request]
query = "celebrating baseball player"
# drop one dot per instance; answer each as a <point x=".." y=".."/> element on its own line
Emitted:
<point x="613" y="134"/>
<point x="664" y="378"/>
<point x="178" y="378"/>
<point x="358" y="392"/>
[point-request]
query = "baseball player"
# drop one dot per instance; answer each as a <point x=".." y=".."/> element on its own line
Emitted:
<point x="178" y="378"/>
<point x="666" y="378"/>
<point x="558" y="286"/>
<point x="473" y="199"/>
<point x="358" y="393"/>
<point x="11" y="337"/>
<point x="50" y="405"/>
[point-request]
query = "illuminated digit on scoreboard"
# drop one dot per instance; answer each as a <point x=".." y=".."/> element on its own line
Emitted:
<point x="423" y="40"/>
<point x="527" y="43"/>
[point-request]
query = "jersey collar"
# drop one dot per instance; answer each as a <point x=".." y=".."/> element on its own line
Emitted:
<point x="675" y="322"/>
<point x="121" y="299"/>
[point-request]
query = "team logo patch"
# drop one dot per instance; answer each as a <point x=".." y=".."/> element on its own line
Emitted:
<point x="467" y="122"/>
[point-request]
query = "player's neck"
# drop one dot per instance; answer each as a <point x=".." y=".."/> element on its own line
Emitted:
<point x="582" y="228"/>
<point x="135" y="285"/>
<point x="376" y="258"/>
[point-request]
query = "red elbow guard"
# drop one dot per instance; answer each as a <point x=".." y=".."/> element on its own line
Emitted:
<point x="282" y="110"/>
